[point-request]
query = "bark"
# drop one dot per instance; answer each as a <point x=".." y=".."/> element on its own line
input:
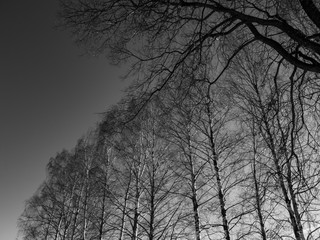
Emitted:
<point x="152" y="206"/>
<point x="85" y="219"/>
<point x="123" y="217"/>
<point x="221" y="197"/>
<point x="218" y="180"/>
<point x="195" y="212"/>
<point x="194" y="194"/>
<point x="102" y="217"/>
<point x="136" y="213"/>
<point x="103" y="209"/>
<point x="257" y="190"/>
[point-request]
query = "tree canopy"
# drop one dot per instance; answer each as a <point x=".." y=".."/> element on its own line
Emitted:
<point x="171" y="31"/>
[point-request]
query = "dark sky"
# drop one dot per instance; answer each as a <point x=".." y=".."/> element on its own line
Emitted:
<point x="49" y="97"/>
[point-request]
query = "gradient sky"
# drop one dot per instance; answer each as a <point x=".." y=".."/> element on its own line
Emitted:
<point x="49" y="97"/>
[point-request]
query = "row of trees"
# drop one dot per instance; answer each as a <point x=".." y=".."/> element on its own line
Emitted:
<point x="234" y="160"/>
<point x="218" y="137"/>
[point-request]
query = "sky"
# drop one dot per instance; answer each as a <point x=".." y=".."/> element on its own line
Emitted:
<point x="50" y="95"/>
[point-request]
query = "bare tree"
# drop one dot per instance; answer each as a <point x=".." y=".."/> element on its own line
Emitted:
<point x="273" y="97"/>
<point x="182" y="115"/>
<point x="162" y="37"/>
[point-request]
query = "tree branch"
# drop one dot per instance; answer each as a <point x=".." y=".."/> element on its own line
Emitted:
<point x="278" y="47"/>
<point x="312" y="11"/>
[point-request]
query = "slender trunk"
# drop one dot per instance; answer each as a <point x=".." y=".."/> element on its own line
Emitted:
<point x="58" y="228"/>
<point x="65" y="230"/>
<point x="287" y="199"/>
<point x="221" y="198"/>
<point x="136" y="212"/>
<point x="106" y="152"/>
<point x="85" y="207"/>
<point x="85" y="219"/>
<point x="153" y="188"/>
<point x="103" y="209"/>
<point x="257" y="190"/>
<point x="257" y="196"/>
<point x="74" y="224"/>
<point x="88" y="162"/>
<point x="152" y="208"/>
<point x="220" y="191"/>
<point x="194" y="194"/>
<point x="77" y="211"/>
<point x="217" y="174"/>
<point x="68" y="213"/>
<point x="269" y="138"/>
<point x="123" y="217"/>
<point x="136" y="207"/>
<point x="195" y="211"/>
<point x="294" y="203"/>
<point x="66" y="223"/>
<point x="138" y="175"/>
<point x="282" y="184"/>
<point x="293" y="154"/>
<point x="75" y="218"/>
<point x="47" y="230"/>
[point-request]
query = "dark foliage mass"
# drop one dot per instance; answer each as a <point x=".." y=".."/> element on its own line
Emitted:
<point x="217" y="138"/>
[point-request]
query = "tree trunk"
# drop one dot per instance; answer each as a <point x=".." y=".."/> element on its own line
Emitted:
<point x="103" y="209"/>
<point x="282" y="183"/>
<point x="136" y="213"/>
<point x="194" y="196"/>
<point x="257" y="188"/>
<point x="218" y="180"/>
<point x="123" y="217"/>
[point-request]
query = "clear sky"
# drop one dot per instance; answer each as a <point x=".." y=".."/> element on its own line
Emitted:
<point x="49" y="97"/>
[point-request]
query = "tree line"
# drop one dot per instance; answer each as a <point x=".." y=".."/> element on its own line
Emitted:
<point x="218" y="137"/>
